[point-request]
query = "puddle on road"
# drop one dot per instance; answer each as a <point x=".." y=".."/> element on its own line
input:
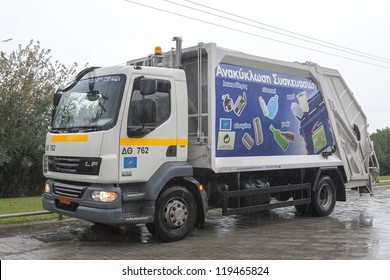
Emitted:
<point x="127" y="234"/>
<point x="65" y="233"/>
<point x="359" y="225"/>
<point x="96" y="233"/>
<point x="359" y="215"/>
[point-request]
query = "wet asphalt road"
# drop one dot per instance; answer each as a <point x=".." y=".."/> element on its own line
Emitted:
<point x="357" y="229"/>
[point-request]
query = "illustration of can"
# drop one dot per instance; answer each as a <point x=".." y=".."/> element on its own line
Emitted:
<point x="248" y="141"/>
<point x="258" y="131"/>
<point x="240" y="104"/>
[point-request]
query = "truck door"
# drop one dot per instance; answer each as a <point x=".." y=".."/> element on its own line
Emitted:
<point x="148" y="134"/>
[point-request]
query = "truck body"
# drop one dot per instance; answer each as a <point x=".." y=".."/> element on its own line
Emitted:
<point x="167" y="136"/>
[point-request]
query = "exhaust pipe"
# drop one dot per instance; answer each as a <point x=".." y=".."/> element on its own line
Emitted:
<point x="179" y="42"/>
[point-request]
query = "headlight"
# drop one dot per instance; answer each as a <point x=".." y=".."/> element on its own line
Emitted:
<point x="104" y="196"/>
<point x="47" y="188"/>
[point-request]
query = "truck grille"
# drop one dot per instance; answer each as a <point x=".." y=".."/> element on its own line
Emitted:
<point x="131" y="207"/>
<point x="68" y="190"/>
<point x="75" y="165"/>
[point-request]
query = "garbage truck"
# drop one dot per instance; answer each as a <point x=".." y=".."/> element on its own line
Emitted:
<point x="164" y="138"/>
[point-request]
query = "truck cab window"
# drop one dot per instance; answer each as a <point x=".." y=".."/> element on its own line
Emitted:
<point x="148" y="111"/>
<point x="90" y="105"/>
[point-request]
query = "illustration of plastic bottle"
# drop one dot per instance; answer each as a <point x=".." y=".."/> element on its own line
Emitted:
<point x="273" y="107"/>
<point x="282" y="141"/>
<point x="263" y="106"/>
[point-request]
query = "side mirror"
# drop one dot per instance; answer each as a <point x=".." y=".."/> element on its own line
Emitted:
<point x="56" y="99"/>
<point x="148" y="86"/>
<point x="53" y="113"/>
<point x="148" y="111"/>
<point x="144" y="118"/>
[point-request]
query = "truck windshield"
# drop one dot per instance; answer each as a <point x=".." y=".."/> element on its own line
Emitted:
<point x="91" y="105"/>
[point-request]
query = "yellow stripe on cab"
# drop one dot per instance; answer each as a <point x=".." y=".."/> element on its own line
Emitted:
<point x="70" y="138"/>
<point x="153" y="142"/>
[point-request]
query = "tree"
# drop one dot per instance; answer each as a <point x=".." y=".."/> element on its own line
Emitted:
<point x="381" y="139"/>
<point x="28" y="78"/>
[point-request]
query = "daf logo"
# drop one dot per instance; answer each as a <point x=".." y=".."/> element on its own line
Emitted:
<point x="91" y="164"/>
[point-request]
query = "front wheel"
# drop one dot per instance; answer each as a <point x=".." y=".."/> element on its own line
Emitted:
<point x="323" y="200"/>
<point x="175" y="214"/>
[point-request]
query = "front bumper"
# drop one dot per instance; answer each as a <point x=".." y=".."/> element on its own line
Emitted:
<point x="129" y="208"/>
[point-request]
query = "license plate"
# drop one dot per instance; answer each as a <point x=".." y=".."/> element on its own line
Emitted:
<point x="65" y="200"/>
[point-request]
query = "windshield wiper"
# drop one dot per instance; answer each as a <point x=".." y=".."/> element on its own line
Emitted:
<point x="85" y="128"/>
<point x="76" y="129"/>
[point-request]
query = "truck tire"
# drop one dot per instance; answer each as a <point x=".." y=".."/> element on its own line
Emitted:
<point x="323" y="199"/>
<point x="175" y="214"/>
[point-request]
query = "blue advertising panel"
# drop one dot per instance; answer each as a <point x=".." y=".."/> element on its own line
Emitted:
<point x="264" y="113"/>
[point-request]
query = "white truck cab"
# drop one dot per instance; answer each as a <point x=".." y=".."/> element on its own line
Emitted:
<point x="117" y="126"/>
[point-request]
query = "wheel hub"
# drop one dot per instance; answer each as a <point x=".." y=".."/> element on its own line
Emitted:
<point x="325" y="197"/>
<point x="175" y="213"/>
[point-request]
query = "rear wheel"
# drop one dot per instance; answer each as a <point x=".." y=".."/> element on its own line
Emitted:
<point x="323" y="200"/>
<point x="175" y="214"/>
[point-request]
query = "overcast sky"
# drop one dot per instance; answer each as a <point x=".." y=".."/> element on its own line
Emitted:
<point x="110" y="32"/>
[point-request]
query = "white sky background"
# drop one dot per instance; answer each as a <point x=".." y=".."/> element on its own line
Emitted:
<point x="105" y="33"/>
